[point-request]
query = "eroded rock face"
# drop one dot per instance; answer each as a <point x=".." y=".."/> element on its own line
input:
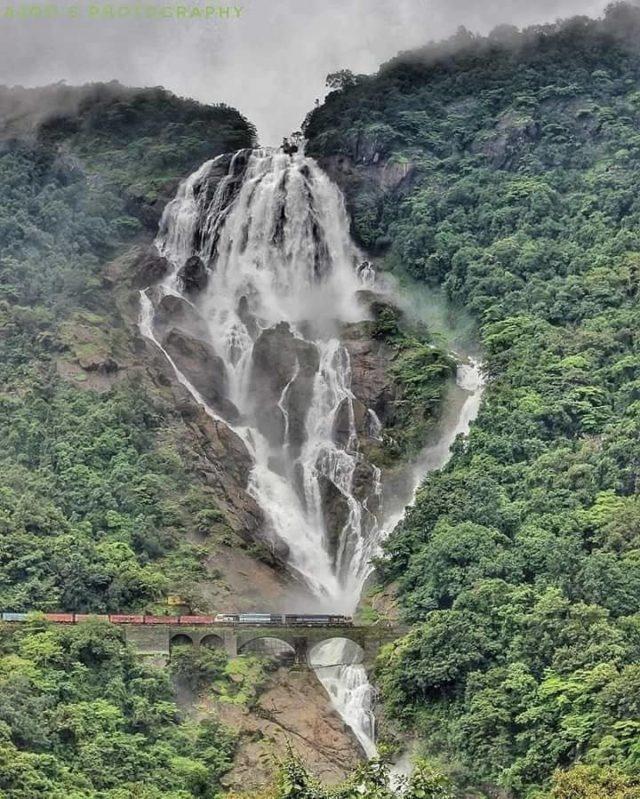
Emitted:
<point x="335" y="510"/>
<point x="371" y="381"/>
<point x="193" y="275"/>
<point x="281" y="360"/>
<point x="342" y="422"/>
<point x="175" y="312"/>
<point x="512" y="136"/>
<point x="204" y="369"/>
<point x="318" y="735"/>
<point x="224" y="464"/>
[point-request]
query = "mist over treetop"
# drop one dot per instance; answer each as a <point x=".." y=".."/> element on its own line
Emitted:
<point x="110" y="108"/>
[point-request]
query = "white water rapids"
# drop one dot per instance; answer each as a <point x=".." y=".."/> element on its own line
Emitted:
<point x="282" y="278"/>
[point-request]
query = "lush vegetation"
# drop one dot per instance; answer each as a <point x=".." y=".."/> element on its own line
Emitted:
<point x="420" y="372"/>
<point x="209" y="671"/>
<point x="96" y="500"/>
<point x="371" y="781"/>
<point x="82" y="718"/>
<point x="519" y="566"/>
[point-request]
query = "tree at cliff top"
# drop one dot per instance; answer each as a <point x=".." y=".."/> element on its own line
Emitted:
<point x="94" y="500"/>
<point x="506" y="170"/>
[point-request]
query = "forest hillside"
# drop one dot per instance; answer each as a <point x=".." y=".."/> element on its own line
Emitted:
<point x="505" y="169"/>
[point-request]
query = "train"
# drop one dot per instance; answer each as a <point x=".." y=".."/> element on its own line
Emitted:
<point x="255" y="619"/>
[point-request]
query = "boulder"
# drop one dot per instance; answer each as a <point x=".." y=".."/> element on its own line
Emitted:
<point x="204" y="369"/>
<point x="150" y="268"/>
<point x="97" y="362"/>
<point x="176" y="312"/>
<point x="193" y="275"/>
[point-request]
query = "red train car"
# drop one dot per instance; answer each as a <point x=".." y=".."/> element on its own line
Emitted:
<point x="197" y="620"/>
<point x="87" y="616"/>
<point x="60" y="618"/>
<point x="161" y="620"/>
<point x="124" y="619"/>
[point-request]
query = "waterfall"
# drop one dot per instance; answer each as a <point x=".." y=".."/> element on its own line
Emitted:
<point x="263" y="278"/>
<point x="346" y="682"/>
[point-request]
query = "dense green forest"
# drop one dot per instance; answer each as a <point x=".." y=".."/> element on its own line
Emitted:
<point x="94" y="501"/>
<point x="519" y="566"/>
<point x="518" y="158"/>
<point x="82" y="718"/>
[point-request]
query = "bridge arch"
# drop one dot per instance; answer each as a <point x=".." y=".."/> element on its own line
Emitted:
<point x="212" y="641"/>
<point x="335" y="650"/>
<point x="271" y="646"/>
<point x="180" y="639"/>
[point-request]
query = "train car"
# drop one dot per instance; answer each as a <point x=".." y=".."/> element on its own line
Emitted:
<point x="312" y="619"/>
<point x="261" y="618"/>
<point x="6" y="616"/>
<point x="341" y="621"/>
<point x="60" y="618"/>
<point x="125" y="619"/>
<point x="226" y="618"/>
<point x="161" y="620"/>
<point x="306" y="619"/>
<point x="197" y="619"/>
<point x="80" y="617"/>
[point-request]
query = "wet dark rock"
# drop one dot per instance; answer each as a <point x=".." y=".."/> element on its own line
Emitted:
<point x="247" y="318"/>
<point x="150" y="268"/>
<point x="204" y="369"/>
<point x="364" y="484"/>
<point x="205" y="190"/>
<point x="193" y="275"/>
<point x="335" y="510"/>
<point x="342" y="422"/>
<point x="278" y="357"/>
<point x="176" y="312"/>
<point x="371" y="379"/>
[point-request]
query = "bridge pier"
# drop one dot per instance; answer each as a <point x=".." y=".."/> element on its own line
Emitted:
<point x="230" y="643"/>
<point x="301" y="647"/>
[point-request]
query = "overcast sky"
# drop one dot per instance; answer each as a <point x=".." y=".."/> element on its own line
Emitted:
<point x="270" y="63"/>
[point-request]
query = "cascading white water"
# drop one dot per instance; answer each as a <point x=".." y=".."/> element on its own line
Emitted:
<point x="281" y="252"/>
<point x="345" y="680"/>
<point x="282" y="277"/>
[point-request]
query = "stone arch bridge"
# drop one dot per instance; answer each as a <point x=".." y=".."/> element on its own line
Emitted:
<point x="156" y="641"/>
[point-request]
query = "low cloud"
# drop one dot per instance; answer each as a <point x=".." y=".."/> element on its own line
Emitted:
<point x="269" y="61"/>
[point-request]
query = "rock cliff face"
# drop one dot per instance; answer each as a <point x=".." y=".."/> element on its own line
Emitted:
<point x="318" y="735"/>
<point x="205" y="370"/>
<point x="371" y="380"/>
<point x="193" y="275"/>
<point x="281" y="361"/>
<point x="365" y="180"/>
